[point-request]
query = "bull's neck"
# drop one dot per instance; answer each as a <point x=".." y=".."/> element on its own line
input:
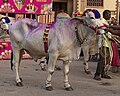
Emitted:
<point x="81" y="33"/>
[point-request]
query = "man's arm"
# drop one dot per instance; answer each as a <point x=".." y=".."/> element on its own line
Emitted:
<point x="115" y="32"/>
<point x="115" y="27"/>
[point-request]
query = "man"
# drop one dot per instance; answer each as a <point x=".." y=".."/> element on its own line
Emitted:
<point x="102" y="65"/>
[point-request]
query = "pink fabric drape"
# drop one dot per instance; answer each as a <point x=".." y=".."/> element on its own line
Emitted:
<point x="115" y="59"/>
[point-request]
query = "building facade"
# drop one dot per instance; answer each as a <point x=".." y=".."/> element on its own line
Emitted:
<point x="70" y="6"/>
<point x="80" y="5"/>
<point x="101" y="5"/>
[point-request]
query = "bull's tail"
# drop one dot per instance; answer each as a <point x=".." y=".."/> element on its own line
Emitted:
<point x="47" y="58"/>
<point x="12" y="60"/>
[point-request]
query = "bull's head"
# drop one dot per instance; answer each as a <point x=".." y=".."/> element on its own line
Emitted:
<point x="92" y="22"/>
<point x="4" y="26"/>
<point x="95" y="23"/>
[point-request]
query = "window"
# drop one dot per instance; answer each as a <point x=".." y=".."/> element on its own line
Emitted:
<point x="98" y="3"/>
<point x="113" y="12"/>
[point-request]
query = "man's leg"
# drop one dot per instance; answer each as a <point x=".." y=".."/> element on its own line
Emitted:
<point x="107" y="66"/>
<point x="101" y="66"/>
<point x="99" y="69"/>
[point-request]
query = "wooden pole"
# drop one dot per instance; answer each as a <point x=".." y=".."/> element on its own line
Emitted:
<point x="31" y="16"/>
<point x="6" y="14"/>
<point x="117" y="10"/>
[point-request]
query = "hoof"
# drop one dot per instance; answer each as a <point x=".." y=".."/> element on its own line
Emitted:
<point x="19" y="84"/>
<point x="21" y="79"/>
<point x="49" y="88"/>
<point x="43" y="69"/>
<point x="98" y="78"/>
<point x="106" y="76"/>
<point x="88" y="72"/>
<point x="58" y="68"/>
<point x="69" y="89"/>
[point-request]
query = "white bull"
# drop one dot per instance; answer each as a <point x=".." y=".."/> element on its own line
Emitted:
<point x="64" y="36"/>
<point x="89" y="48"/>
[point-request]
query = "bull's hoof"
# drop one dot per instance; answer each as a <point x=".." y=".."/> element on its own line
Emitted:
<point x="21" y="79"/>
<point x="19" y="84"/>
<point x="49" y="88"/>
<point x="88" y="72"/>
<point x="43" y="69"/>
<point x="98" y="78"/>
<point x="69" y="89"/>
<point x="106" y="76"/>
<point x="58" y="68"/>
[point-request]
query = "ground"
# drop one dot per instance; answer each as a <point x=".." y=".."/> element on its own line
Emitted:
<point x="34" y="81"/>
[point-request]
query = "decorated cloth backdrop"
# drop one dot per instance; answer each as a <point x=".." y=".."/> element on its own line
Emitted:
<point x="22" y="7"/>
<point x="5" y="51"/>
<point x="26" y="6"/>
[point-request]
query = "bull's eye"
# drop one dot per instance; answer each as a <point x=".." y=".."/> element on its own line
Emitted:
<point x="3" y="22"/>
<point x="91" y="17"/>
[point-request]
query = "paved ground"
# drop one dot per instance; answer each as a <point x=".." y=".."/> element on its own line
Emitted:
<point x="34" y="80"/>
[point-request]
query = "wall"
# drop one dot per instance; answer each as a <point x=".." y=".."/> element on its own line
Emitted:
<point x="70" y="7"/>
<point x="111" y="5"/>
<point x="108" y="4"/>
<point x="70" y="4"/>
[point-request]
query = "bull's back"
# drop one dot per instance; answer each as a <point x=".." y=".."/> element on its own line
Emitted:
<point x="31" y="39"/>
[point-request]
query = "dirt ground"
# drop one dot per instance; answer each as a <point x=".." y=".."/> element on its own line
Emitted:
<point x="34" y="81"/>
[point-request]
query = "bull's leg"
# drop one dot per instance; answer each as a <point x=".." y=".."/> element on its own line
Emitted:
<point x="16" y="61"/>
<point x="86" y="59"/>
<point x="57" y="67"/>
<point x="66" y="78"/>
<point x="51" y="68"/>
<point x="43" y="64"/>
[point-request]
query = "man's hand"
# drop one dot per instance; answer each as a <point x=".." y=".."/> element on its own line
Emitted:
<point x="106" y="25"/>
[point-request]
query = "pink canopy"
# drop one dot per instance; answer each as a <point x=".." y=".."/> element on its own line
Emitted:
<point x="26" y="6"/>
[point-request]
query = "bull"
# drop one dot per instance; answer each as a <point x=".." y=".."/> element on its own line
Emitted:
<point x="63" y="37"/>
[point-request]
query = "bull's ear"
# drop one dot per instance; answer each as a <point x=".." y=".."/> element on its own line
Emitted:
<point x="7" y="20"/>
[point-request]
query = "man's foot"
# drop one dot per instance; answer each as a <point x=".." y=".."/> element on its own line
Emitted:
<point x="97" y="78"/>
<point x="106" y="76"/>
